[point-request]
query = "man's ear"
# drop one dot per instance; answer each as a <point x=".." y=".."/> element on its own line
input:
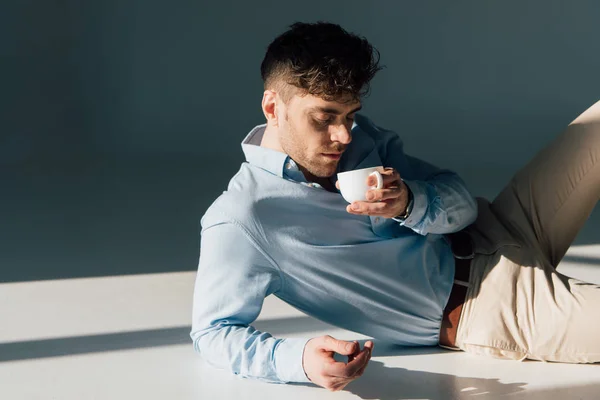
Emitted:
<point x="269" y="107"/>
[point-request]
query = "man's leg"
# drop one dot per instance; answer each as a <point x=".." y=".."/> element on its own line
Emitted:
<point x="549" y="200"/>
<point x="518" y="306"/>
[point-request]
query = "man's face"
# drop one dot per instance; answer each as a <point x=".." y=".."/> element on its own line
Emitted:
<point x="315" y="132"/>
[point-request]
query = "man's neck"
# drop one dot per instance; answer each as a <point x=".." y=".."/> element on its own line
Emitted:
<point x="270" y="140"/>
<point x="325" y="182"/>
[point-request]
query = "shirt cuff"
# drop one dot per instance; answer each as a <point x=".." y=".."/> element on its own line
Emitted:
<point x="288" y="360"/>
<point x="419" y="206"/>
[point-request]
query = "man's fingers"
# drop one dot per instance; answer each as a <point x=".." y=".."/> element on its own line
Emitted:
<point x="359" y="362"/>
<point x="341" y="370"/>
<point x="368" y="345"/>
<point x="361" y="371"/>
<point x="356" y="351"/>
<point x="338" y="385"/>
<point x="340" y="374"/>
<point x="364" y="207"/>
<point x="339" y="346"/>
<point x="383" y="194"/>
<point x="389" y="176"/>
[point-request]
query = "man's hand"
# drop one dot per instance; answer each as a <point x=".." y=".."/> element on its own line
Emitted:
<point x="322" y="369"/>
<point x="389" y="201"/>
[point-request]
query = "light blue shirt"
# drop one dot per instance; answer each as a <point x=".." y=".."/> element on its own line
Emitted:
<point x="272" y="232"/>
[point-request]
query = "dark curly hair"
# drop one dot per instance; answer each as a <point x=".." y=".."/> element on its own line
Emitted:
<point x="321" y="59"/>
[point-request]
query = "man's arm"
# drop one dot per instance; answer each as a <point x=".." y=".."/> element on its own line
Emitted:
<point x="233" y="279"/>
<point x="441" y="201"/>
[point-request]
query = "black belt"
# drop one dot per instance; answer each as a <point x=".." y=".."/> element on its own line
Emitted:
<point x="462" y="248"/>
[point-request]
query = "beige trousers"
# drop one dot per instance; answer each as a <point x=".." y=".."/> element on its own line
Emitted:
<point x="518" y="306"/>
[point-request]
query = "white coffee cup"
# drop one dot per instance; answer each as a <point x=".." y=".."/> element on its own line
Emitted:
<point x="353" y="184"/>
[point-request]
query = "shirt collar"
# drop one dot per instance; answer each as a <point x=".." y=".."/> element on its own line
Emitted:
<point x="262" y="157"/>
<point x="273" y="161"/>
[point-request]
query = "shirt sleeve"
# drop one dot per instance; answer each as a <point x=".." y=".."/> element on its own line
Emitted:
<point x="441" y="201"/>
<point x="233" y="279"/>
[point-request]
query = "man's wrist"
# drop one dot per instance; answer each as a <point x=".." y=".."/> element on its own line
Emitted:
<point x="409" y="206"/>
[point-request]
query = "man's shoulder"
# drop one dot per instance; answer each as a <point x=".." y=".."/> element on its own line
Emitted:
<point x="237" y="203"/>
<point x="370" y="143"/>
<point x="366" y="126"/>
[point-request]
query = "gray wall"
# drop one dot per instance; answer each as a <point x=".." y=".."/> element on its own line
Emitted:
<point x="148" y="77"/>
<point x="42" y="113"/>
<point x="476" y="86"/>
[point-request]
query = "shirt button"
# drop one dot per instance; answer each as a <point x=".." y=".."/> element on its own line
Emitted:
<point x="377" y="220"/>
<point x="288" y="166"/>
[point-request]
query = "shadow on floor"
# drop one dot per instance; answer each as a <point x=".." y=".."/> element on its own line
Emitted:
<point x="595" y="261"/>
<point x="390" y="383"/>
<point x="34" y="349"/>
<point x="280" y="327"/>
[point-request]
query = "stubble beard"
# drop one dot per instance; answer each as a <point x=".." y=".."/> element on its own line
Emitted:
<point x="317" y="165"/>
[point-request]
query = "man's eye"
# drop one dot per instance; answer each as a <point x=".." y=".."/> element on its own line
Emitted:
<point x="322" y="121"/>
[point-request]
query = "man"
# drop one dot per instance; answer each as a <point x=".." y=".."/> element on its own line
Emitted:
<point x="421" y="262"/>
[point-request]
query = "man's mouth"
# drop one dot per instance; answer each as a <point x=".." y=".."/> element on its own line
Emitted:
<point x="333" y="156"/>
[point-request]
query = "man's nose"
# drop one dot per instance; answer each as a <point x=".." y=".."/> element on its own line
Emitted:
<point x="342" y="135"/>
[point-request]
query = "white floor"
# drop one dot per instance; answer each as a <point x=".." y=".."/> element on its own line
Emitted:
<point x="125" y="336"/>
